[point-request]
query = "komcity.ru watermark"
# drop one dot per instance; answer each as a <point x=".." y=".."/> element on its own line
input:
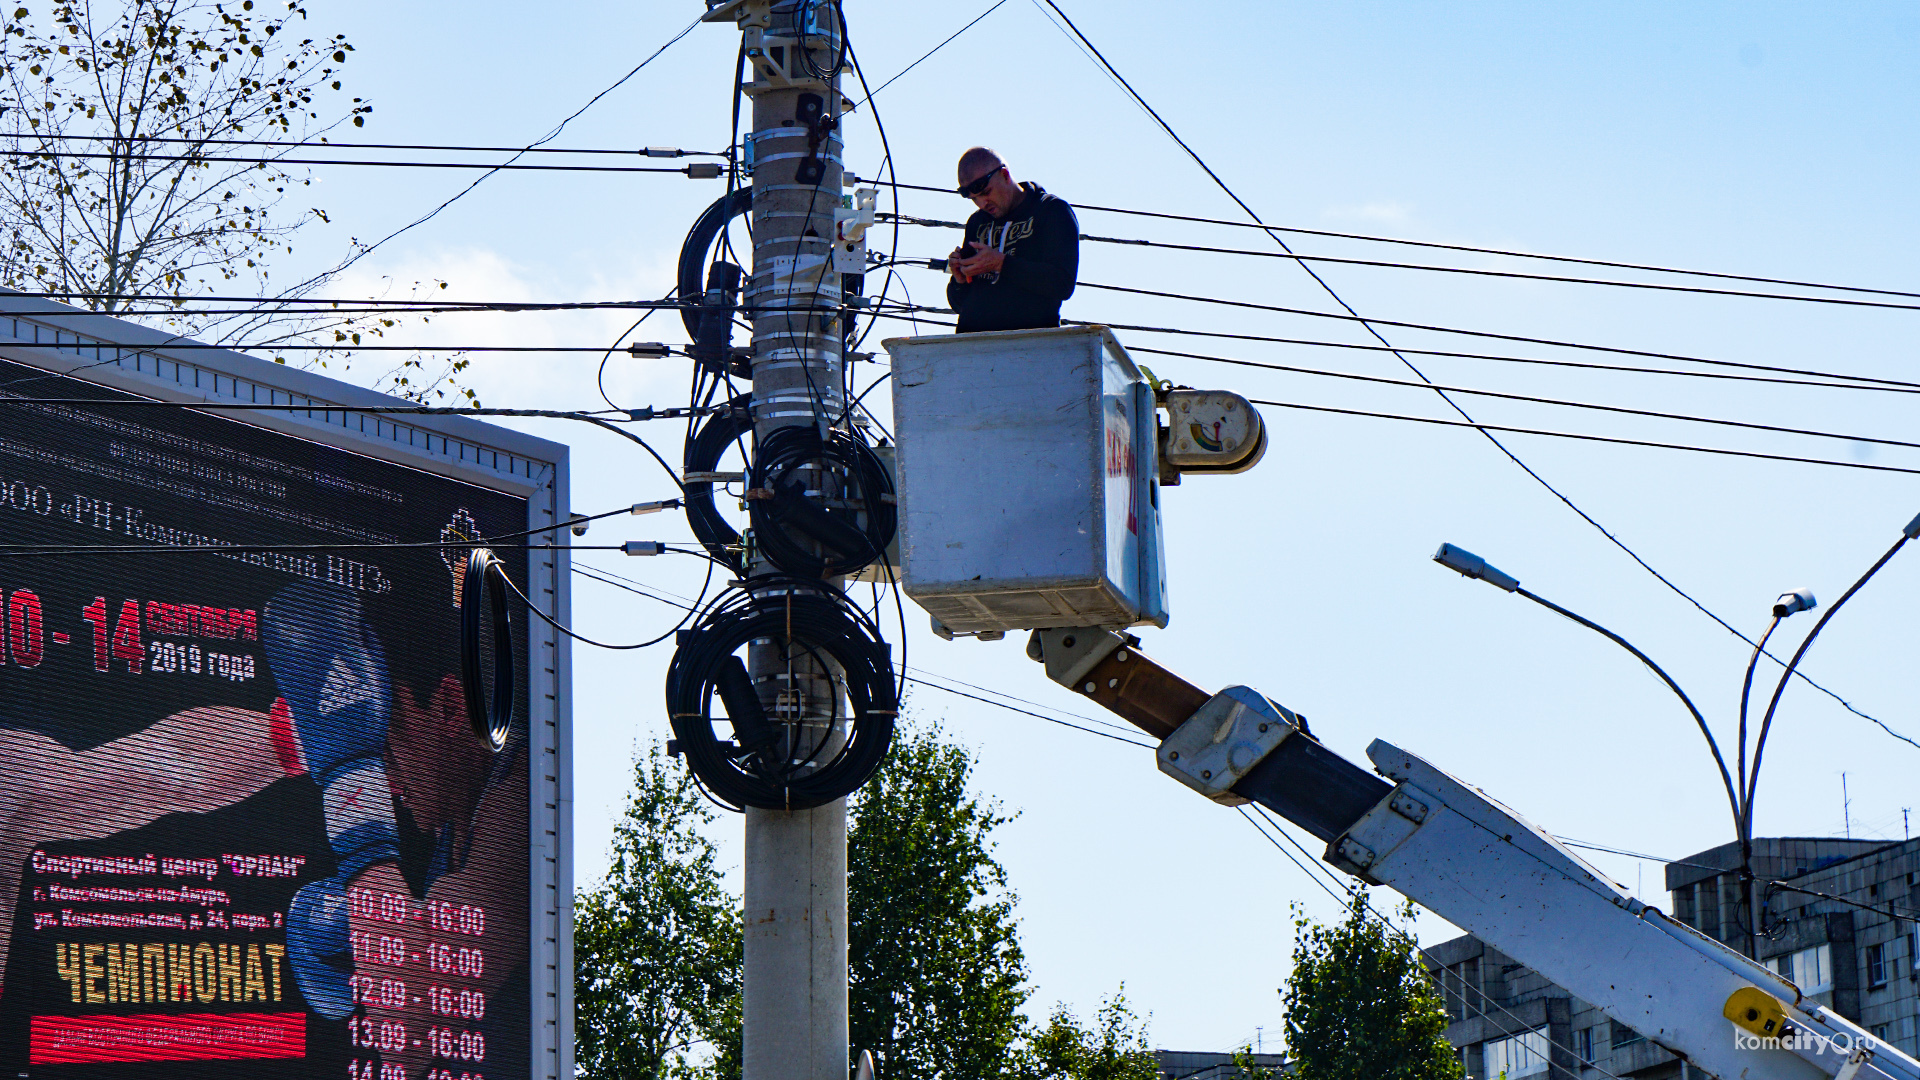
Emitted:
<point x="1842" y="1044"/>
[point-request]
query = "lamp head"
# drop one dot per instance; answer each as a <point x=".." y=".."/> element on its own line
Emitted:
<point x="1467" y="564"/>
<point x="1797" y="600"/>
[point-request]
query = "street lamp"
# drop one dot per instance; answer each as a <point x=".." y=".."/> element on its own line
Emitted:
<point x="1470" y="565"/>
<point x="1788" y="604"/>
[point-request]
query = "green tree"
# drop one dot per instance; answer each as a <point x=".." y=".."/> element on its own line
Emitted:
<point x="937" y="978"/>
<point x="1359" y="1005"/>
<point x="1114" y="1047"/>
<point x="657" y="945"/>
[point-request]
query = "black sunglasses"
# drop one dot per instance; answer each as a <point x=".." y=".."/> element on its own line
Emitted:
<point x="979" y="187"/>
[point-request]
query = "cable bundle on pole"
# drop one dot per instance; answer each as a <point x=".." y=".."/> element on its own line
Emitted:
<point x="703" y="454"/>
<point x="789" y="528"/>
<point x="773" y="762"/>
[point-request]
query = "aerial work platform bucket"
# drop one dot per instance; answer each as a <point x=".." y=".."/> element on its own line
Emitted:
<point x="1027" y="480"/>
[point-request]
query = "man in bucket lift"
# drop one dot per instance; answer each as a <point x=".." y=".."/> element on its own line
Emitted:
<point x="1021" y="255"/>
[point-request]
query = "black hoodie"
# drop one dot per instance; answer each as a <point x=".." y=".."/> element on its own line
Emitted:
<point x="1041" y="240"/>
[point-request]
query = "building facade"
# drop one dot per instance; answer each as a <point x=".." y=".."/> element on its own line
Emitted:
<point x="1213" y="1065"/>
<point x="1839" y="922"/>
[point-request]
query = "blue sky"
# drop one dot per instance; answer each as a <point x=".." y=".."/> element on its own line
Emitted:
<point x="1765" y="139"/>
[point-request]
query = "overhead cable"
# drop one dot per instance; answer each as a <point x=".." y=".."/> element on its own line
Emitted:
<point x="1309" y="313"/>
<point x="1317" y="343"/>
<point x="707" y="171"/>
<point x="1687" y="418"/>
<point x="976" y="20"/>
<point x="1590" y="438"/>
<point x="362" y="251"/>
<point x="1373" y="330"/>
<point x="647" y="151"/>
<point x="1476" y="272"/>
<point x="1468" y="248"/>
<point x="1025" y="712"/>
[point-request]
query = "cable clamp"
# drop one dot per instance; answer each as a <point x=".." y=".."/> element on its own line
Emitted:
<point x="707" y="477"/>
<point x="757" y="495"/>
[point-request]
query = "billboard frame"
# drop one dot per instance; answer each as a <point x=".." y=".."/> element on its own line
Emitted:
<point x="68" y="341"/>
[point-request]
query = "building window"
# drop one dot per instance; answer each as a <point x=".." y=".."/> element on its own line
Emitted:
<point x="1876" y="966"/>
<point x="1583" y="1044"/>
<point x="1519" y="1055"/>
<point x="1913" y="951"/>
<point x="1809" y="969"/>
<point x="1622" y="1035"/>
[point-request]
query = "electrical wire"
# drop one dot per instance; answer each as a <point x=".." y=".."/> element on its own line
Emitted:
<point x="887" y="167"/>
<point x="327" y="145"/>
<point x="557" y="625"/>
<point x="924" y="56"/>
<point x="1024" y="712"/>
<point x="1762" y="379"/>
<point x="1471" y="271"/>
<point x="482" y="541"/>
<point x="1683" y="358"/>
<point x="1591" y="438"/>
<point x="1466" y="248"/>
<point x="1766" y="723"/>
<point x="1373" y="330"/>
<point x="37" y="550"/>
<point x="1406" y="937"/>
<point x="1684" y="417"/>
<point x="261" y="163"/>
<point x="608" y="577"/>
<point x="364" y="250"/>
<point x="1097" y="722"/>
<point x="324" y="407"/>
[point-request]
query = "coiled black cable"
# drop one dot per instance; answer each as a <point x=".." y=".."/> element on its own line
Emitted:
<point x="703" y="453"/>
<point x="492" y="721"/>
<point x="788" y="526"/>
<point x="766" y="764"/>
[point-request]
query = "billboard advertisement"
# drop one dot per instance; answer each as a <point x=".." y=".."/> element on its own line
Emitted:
<point x="244" y="821"/>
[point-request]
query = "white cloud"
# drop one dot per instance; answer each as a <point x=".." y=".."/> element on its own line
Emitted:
<point x="1389" y="212"/>
<point x="527" y="379"/>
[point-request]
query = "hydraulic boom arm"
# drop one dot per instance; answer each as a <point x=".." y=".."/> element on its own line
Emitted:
<point x="1478" y="865"/>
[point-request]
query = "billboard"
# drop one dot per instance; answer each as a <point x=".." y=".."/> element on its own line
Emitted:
<point x="244" y="822"/>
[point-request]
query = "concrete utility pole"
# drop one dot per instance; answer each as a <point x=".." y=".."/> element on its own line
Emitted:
<point x="795" y="909"/>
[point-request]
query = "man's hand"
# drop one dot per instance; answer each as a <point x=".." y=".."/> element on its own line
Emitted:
<point x="985" y="260"/>
<point x="954" y="259"/>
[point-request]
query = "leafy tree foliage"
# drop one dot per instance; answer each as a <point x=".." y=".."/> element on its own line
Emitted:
<point x="1359" y="1005"/>
<point x="657" y="945"/>
<point x="937" y="978"/>
<point x="121" y="189"/>
<point x="125" y="188"/>
<point x="936" y="973"/>
<point x="1114" y="1047"/>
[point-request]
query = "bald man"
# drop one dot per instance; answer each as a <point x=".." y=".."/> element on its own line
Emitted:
<point x="1022" y="252"/>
